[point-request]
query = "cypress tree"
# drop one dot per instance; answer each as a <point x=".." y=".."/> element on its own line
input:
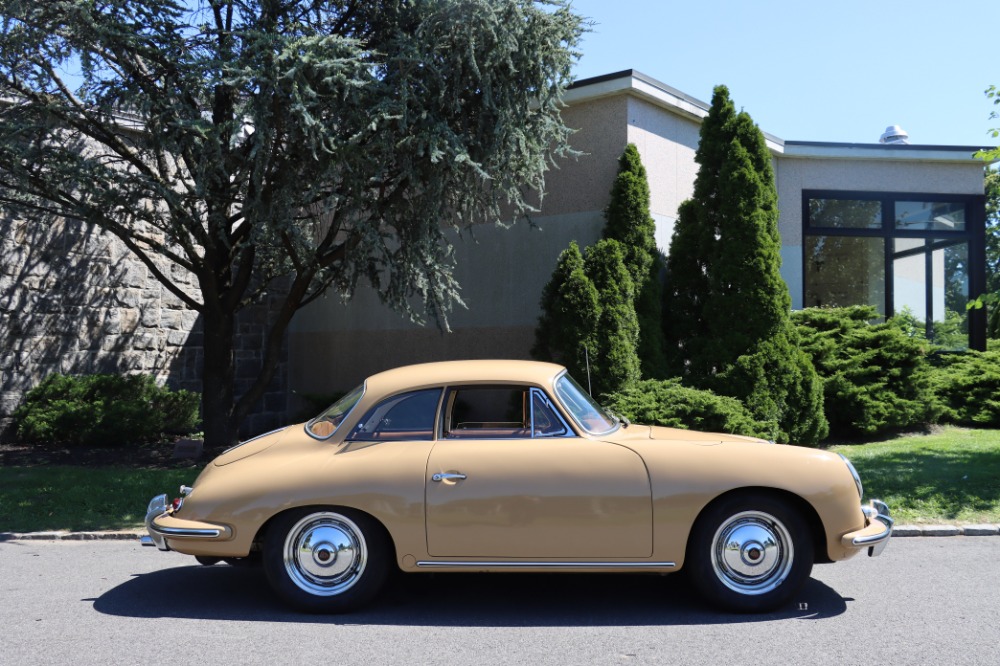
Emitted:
<point x="614" y="360"/>
<point x="726" y="307"/>
<point x="629" y="223"/>
<point x="570" y="311"/>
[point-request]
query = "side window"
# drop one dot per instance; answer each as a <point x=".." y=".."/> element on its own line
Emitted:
<point x="484" y="412"/>
<point x="545" y="420"/>
<point x="408" y="416"/>
<point x="501" y="412"/>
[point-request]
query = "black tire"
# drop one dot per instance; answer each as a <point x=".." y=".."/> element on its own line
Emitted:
<point x="326" y="560"/>
<point x="207" y="561"/>
<point x="749" y="553"/>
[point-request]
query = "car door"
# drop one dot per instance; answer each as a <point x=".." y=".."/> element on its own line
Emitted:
<point x="507" y="478"/>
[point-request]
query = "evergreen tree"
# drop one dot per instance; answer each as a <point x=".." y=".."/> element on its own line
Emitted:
<point x="614" y="360"/>
<point x="301" y="144"/>
<point x="629" y="223"/>
<point x="726" y="307"/>
<point x="570" y="312"/>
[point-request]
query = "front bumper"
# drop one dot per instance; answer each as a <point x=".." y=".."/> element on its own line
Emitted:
<point x="161" y="525"/>
<point x="877" y="530"/>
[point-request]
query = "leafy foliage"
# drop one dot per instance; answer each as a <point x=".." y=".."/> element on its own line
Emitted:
<point x="967" y="385"/>
<point x="311" y="144"/>
<point x="109" y="410"/>
<point x="725" y="314"/>
<point x="668" y="403"/>
<point x="876" y="378"/>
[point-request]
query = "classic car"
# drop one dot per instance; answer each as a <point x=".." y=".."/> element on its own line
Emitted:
<point x="510" y="465"/>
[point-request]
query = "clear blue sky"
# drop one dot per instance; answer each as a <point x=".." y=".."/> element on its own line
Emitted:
<point x="815" y="71"/>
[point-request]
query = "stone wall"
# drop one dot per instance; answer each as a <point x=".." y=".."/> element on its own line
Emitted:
<point x="74" y="300"/>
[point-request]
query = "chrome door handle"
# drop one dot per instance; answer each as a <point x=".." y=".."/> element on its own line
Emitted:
<point x="448" y="476"/>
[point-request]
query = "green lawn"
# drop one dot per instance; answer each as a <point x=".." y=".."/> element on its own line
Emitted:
<point x="951" y="476"/>
<point x="36" y="499"/>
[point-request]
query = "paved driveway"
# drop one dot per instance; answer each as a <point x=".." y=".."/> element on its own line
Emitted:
<point x="925" y="601"/>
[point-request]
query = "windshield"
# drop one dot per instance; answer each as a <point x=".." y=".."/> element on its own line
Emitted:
<point x="326" y="423"/>
<point x="585" y="411"/>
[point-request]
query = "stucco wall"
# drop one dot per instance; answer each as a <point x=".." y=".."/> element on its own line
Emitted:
<point x="333" y="346"/>
<point x="667" y="143"/>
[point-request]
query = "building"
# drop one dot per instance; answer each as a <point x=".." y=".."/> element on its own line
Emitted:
<point x="896" y="225"/>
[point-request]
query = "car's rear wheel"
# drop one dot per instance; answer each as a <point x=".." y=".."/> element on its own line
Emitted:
<point x="326" y="561"/>
<point x="750" y="553"/>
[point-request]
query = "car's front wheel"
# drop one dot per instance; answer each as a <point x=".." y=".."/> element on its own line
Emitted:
<point x="749" y="553"/>
<point x="326" y="561"/>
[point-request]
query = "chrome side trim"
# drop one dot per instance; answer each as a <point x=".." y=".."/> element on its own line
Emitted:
<point x="551" y="565"/>
<point x="186" y="533"/>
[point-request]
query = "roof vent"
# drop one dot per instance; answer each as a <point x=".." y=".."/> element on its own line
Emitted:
<point x="894" y="134"/>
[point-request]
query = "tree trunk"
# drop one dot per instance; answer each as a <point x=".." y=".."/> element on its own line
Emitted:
<point x="217" y="397"/>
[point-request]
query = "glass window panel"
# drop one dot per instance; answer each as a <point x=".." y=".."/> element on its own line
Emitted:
<point x="950" y="284"/>
<point x="909" y="282"/>
<point x="845" y="270"/>
<point x="409" y="416"/>
<point x="930" y="215"/>
<point x="931" y="287"/>
<point x="845" y="213"/>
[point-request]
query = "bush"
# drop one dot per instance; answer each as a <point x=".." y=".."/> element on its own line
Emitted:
<point x="667" y="403"/>
<point x="967" y="385"/>
<point x="106" y="410"/>
<point x="876" y="378"/>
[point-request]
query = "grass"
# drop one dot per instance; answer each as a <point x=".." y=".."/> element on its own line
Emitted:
<point x="45" y="498"/>
<point x="950" y="476"/>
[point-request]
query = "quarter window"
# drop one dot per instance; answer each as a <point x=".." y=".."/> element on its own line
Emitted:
<point x="408" y="416"/>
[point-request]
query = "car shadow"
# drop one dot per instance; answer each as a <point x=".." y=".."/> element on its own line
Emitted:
<point x="453" y="600"/>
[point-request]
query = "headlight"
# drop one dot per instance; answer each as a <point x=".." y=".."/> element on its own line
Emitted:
<point x="854" y="473"/>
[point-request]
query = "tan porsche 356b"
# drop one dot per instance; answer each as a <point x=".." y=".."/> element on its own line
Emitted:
<point x="510" y="465"/>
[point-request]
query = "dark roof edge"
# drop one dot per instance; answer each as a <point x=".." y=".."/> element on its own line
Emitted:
<point x="895" y="146"/>
<point x="635" y="74"/>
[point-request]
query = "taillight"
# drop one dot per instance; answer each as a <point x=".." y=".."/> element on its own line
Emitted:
<point x="177" y="503"/>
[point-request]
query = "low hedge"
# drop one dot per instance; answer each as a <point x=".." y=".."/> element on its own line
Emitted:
<point x="876" y="378"/>
<point x="104" y="410"/>
<point x="667" y="403"/>
<point x="967" y="386"/>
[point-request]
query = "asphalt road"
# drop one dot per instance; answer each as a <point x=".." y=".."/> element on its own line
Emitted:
<point x="924" y="601"/>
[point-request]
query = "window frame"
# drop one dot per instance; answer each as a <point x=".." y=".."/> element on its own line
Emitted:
<point x="447" y="402"/>
<point x="974" y="234"/>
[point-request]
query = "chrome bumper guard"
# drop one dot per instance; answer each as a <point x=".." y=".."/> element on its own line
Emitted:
<point x="876" y="510"/>
<point x="157" y="507"/>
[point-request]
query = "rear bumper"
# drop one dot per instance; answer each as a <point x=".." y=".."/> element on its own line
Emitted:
<point x="161" y="525"/>
<point x="877" y="530"/>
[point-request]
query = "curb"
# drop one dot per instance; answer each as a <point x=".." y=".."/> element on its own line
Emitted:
<point x="897" y="531"/>
<point x="69" y="536"/>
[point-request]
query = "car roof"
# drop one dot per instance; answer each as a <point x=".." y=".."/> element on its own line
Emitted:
<point x="463" y="372"/>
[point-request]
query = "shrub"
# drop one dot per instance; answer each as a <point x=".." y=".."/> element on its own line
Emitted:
<point x="107" y="410"/>
<point x="667" y="403"/>
<point x="876" y="378"/>
<point x="967" y="385"/>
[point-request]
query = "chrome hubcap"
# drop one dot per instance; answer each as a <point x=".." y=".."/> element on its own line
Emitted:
<point x="325" y="554"/>
<point x="752" y="553"/>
